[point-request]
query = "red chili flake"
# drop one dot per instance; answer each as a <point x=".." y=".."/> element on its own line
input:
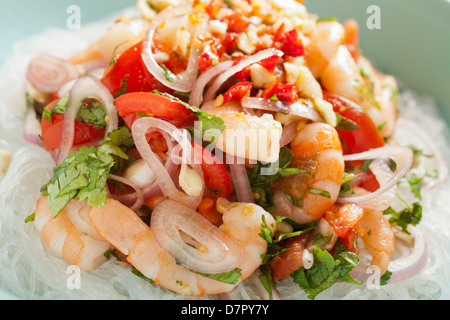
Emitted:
<point x="238" y="91"/>
<point x="206" y="60"/>
<point x="238" y="23"/>
<point x="229" y="41"/>
<point x="271" y="62"/>
<point x="287" y="92"/>
<point x="244" y="73"/>
<point x="291" y="44"/>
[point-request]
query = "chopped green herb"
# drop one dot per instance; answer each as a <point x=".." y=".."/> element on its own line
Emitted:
<point x="319" y="192"/>
<point x="90" y="111"/>
<point x="385" y="278"/>
<point x="30" y="218"/>
<point x="325" y="272"/>
<point x="82" y="175"/>
<point x="345" y="124"/>
<point x="168" y="74"/>
<point x="408" y="216"/>
<point x="230" y="277"/>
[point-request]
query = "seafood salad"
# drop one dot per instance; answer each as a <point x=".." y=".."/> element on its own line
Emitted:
<point x="229" y="150"/>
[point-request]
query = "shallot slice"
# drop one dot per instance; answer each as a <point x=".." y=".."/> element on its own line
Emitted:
<point x="47" y="73"/>
<point x="220" y="80"/>
<point x="240" y="180"/>
<point x="401" y="155"/>
<point x="139" y="128"/>
<point x="183" y="81"/>
<point x="300" y="108"/>
<point x="210" y="250"/>
<point x="196" y="97"/>
<point x="84" y="88"/>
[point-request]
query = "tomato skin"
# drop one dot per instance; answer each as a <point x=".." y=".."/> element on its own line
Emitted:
<point x="366" y="137"/>
<point x="51" y="132"/>
<point x="129" y="104"/>
<point x="215" y="174"/>
<point x="129" y="69"/>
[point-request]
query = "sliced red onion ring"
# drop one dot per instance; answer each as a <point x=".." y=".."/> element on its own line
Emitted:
<point x="240" y="180"/>
<point x="32" y="128"/>
<point x="219" y="81"/>
<point x="196" y="97"/>
<point x="184" y="81"/>
<point x="401" y="155"/>
<point x="288" y="134"/>
<point x="84" y="88"/>
<point x="216" y="252"/>
<point x="163" y="178"/>
<point x="137" y="197"/>
<point x="407" y="266"/>
<point x="302" y="108"/>
<point x="48" y="74"/>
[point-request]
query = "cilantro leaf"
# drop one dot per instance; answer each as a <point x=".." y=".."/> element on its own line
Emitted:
<point x="169" y="75"/>
<point x="403" y="218"/>
<point x="325" y="272"/>
<point x="91" y="111"/>
<point x="230" y="277"/>
<point x="82" y="175"/>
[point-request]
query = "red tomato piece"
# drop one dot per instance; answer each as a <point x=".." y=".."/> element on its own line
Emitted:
<point x="344" y="220"/>
<point x="51" y="132"/>
<point x="129" y="73"/>
<point x="366" y="137"/>
<point x="131" y="105"/>
<point x="215" y="174"/>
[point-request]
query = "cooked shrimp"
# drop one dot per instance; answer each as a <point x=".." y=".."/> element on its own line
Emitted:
<point x="63" y="237"/>
<point x="318" y="150"/>
<point x="378" y="237"/>
<point x="359" y="82"/>
<point x="247" y="136"/>
<point x="130" y="235"/>
<point x="325" y="40"/>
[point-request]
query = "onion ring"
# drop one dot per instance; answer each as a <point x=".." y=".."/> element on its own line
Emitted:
<point x="300" y="108"/>
<point x="261" y="55"/>
<point x="184" y="81"/>
<point x="219" y="252"/>
<point x="402" y="156"/>
<point x="48" y="74"/>
<point x="84" y="88"/>
<point x="139" y="128"/>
